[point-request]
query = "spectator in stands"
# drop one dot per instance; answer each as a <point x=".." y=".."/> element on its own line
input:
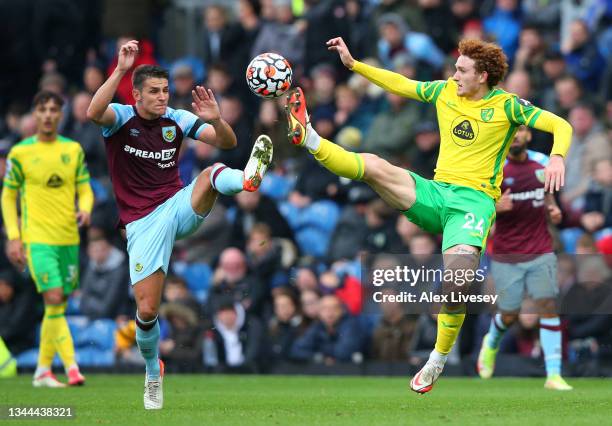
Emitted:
<point x="524" y="339"/>
<point x="530" y="55"/>
<point x="310" y="302"/>
<point x="553" y="69"/>
<point x="589" y="143"/>
<point x="183" y="83"/>
<point x="392" y="337"/>
<point x="176" y="290"/>
<point x="219" y="80"/>
<point x="343" y="285"/>
<point x="232" y="280"/>
<point x="280" y="35"/>
<point x="286" y="325"/>
<point x="519" y="83"/>
<point x="568" y="94"/>
<point x="598" y="205"/>
<point x="464" y="12"/>
<point x="145" y="56"/>
<point x="504" y="25"/>
<point x="313" y="183"/>
<point x="380" y="228"/>
<point x="20" y="311"/>
<point x="391" y="132"/>
<point x="218" y="34"/>
<point x="252" y="208"/>
<point x="88" y="135"/>
<point x="396" y="37"/>
<point x="182" y="346"/>
<point x="237" y="338"/>
<point x="582" y="56"/>
<point x="268" y="122"/>
<point x="105" y="283"/>
<point x="335" y="337"/>
<point x="587" y="306"/>
<point x="362" y="35"/>
<point x="348" y="112"/>
<point x="93" y="78"/>
<point x="306" y="279"/>
<point x="440" y="24"/>
<point x="264" y="256"/>
<point x="424" y="154"/>
<point x="209" y="240"/>
<point x="232" y="111"/>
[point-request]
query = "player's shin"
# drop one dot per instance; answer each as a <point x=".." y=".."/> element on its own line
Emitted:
<point x="497" y="329"/>
<point x="147" y="338"/>
<point x="339" y="161"/>
<point x="63" y="338"/>
<point x="450" y="320"/>
<point x="48" y="329"/>
<point x="225" y="180"/>
<point x="550" y="336"/>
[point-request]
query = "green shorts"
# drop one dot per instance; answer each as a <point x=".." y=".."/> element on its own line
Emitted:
<point x="54" y="266"/>
<point x="462" y="215"/>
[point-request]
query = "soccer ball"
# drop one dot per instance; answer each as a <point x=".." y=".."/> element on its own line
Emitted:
<point x="269" y="75"/>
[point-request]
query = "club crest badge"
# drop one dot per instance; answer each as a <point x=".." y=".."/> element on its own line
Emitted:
<point x="169" y="133"/>
<point x="486" y="114"/>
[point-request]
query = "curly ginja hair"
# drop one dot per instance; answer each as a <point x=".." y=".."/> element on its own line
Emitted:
<point x="488" y="57"/>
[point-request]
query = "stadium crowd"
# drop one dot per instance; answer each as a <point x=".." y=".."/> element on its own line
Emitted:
<point x="276" y="274"/>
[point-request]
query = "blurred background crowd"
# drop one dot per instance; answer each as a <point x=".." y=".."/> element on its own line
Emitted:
<point x="276" y="274"/>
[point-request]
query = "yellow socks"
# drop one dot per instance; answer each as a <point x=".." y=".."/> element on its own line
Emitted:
<point x="339" y="161"/>
<point x="8" y="365"/>
<point x="449" y="324"/>
<point x="55" y="337"/>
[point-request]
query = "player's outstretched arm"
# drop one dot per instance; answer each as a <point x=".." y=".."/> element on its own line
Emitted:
<point x="205" y="106"/>
<point x="99" y="111"/>
<point x="554" y="174"/>
<point x="388" y="80"/>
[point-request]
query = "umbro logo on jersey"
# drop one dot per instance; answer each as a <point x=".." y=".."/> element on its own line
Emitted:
<point x="134" y="132"/>
<point x="55" y="181"/>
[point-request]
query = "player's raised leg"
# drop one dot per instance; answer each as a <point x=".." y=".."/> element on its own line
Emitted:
<point x="490" y="343"/>
<point x="148" y="297"/>
<point x="395" y="185"/>
<point x="232" y="181"/>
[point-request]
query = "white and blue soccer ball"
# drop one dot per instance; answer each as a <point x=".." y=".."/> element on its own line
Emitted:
<point x="269" y="75"/>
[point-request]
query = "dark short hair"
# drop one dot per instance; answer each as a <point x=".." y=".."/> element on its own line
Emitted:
<point x="144" y="72"/>
<point x="45" y="96"/>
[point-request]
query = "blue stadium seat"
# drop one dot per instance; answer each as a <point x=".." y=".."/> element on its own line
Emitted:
<point x="312" y="241"/>
<point x="290" y="213"/>
<point x="94" y="357"/>
<point x="276" y="186"/>
<point x="198" y="276"/>
<point x="569" y="238"/>
<point x="99" y="334"/>
<point x="320" y="214"/>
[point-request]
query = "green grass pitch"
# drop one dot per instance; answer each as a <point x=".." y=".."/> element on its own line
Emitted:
<point x="305" y="400"/>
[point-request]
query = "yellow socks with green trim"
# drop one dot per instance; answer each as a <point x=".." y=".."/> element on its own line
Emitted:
<point x="339" y="161"/>
<point x="450" y="320"/>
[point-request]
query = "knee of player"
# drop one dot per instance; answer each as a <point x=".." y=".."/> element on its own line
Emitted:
<point x="53" y="298"/>
<point x="147" y="311"/>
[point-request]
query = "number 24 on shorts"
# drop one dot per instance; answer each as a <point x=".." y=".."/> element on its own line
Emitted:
<point x="470" y="220"/>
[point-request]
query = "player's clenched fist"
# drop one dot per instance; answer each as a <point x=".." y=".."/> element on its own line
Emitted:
<point x="338" y="45"/>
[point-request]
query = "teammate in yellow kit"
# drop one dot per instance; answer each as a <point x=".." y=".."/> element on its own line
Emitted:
<point x="477" y="124"/>
<point x="47" y="171"/>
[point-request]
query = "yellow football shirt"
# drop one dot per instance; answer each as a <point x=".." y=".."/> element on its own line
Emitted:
<point x="47" y="176"/>
<point x="475" y="136"/>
